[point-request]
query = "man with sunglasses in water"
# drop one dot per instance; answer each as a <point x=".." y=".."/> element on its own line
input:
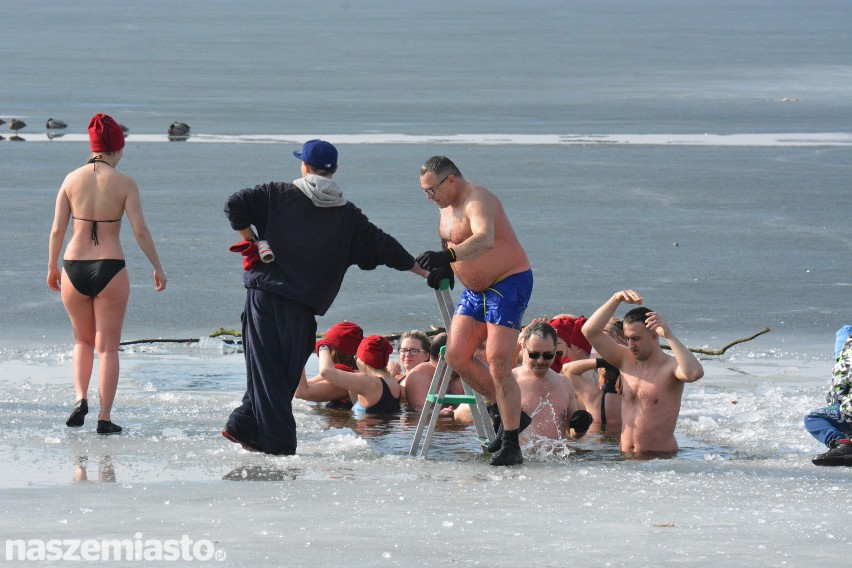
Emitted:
<point x="547" y="396"/>
<point x="479" y="246"/>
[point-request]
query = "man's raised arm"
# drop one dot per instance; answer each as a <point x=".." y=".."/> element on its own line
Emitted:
<point x="593" y="329"/>
<point x="688" y="369"/>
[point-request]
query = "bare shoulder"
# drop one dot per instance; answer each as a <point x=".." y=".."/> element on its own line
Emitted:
<point x="126" y="181"/>
<point x="74" y="175"/>
<point x="482" y="195"/>
<point x="422" y="371"/>
<point x="521" y="374"/>
<point x="560" y="380"/>
<point x="481" y="203"/>
<point x="125" y="187"/>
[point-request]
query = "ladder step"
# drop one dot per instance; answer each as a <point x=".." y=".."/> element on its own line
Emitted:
<point x="453" y="399"/>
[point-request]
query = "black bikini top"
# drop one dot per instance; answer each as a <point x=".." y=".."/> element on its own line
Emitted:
<point x="94" y="222"/>
<point x="95" y="225"/>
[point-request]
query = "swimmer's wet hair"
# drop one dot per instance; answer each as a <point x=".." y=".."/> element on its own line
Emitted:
<point x="637" y="314"/>
<point x="541" y="329"/>
<point x="440" y="166"/>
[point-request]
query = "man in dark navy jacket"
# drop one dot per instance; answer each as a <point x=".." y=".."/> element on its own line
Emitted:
<point x="315" y="235"/>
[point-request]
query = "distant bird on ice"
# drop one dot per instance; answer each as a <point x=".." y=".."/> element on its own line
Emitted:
<point x="178" y="131"/>
<point x="16" y="124"/>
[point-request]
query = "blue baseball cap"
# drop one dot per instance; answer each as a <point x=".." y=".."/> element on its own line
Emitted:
<point x="318" y="154"/>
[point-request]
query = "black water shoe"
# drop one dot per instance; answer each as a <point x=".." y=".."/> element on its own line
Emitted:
<point x="107" y="427"/>
<point x="508" y="455"/>
<point x="510" y="452"/>
<point x="497" y="442"/>
<point x="840" y="454"/>
<point x="78" y="415"/>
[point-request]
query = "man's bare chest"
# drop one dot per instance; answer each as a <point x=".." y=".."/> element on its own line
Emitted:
<point x="454" y="228"/>
<point x="649" y="392"/>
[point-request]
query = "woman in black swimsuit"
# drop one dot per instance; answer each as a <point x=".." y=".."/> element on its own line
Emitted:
<point x="377" y="392"/>
<point x="94" y="282"/>
<point x="600" y="393"/>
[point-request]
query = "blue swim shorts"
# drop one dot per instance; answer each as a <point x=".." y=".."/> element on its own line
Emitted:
<point x="502" y="303"/>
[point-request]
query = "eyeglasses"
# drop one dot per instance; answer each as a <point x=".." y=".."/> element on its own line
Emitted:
<point x="412" y="352"/>
<point x="546" y="355"/>
<point x="431" y="190"/>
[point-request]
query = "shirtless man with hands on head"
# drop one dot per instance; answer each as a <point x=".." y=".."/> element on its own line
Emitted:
<point x="652" y="380"/>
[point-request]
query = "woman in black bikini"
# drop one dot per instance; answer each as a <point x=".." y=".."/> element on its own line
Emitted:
<point x="377" y="392"/>
<point x="94" y="283"/>
<point x="600" y="393"/>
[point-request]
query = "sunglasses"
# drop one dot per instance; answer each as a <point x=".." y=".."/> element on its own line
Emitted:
<point x="431" y="190"/>
<point x="546" y="355"/>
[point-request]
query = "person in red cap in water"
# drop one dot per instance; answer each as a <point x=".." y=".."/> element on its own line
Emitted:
<point x="93" y="281"/>
<point x="343" y="340"/>
<point x="572" y="344"/>
<point x="377" y="392"/>
<point x="314" y="234"/>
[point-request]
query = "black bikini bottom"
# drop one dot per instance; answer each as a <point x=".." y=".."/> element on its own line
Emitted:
<point x="90" y="277"/>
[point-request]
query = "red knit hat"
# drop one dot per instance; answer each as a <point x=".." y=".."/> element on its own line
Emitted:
<point x="570" y="330"/>
<point x="564" y="327"/>
<point x="375" y="351"/>
<point x="345" y="336"/>
<point x="578" y="339"/>
<point x="105" y="135"/>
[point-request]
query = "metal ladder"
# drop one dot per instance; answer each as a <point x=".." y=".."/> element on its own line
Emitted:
<point x="438" y="396"/>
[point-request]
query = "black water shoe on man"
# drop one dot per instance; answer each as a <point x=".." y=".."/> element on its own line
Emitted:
<point x="497" y="443"/>
<point x="510" y="450"/>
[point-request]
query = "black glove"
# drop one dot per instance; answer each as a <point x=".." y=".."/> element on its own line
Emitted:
<point x="432" y="259"/>
<point x="438" y="274"/>
<point x="580" y="421"/>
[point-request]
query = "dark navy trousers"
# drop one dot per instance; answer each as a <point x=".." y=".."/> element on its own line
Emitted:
<point x="278" y="337"/>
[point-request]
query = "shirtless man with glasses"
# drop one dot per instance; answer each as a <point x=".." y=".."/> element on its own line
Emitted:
<point x="479" y="247"/>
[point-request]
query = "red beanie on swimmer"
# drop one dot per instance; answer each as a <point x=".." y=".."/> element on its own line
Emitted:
<point x="564" y="327"/>
<point x="345" y="336"/>
<point x="578" y="339"/>
<point x="105" y="135"/>
<point x="570" y="330"/>
<point x="375" y="351"/>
